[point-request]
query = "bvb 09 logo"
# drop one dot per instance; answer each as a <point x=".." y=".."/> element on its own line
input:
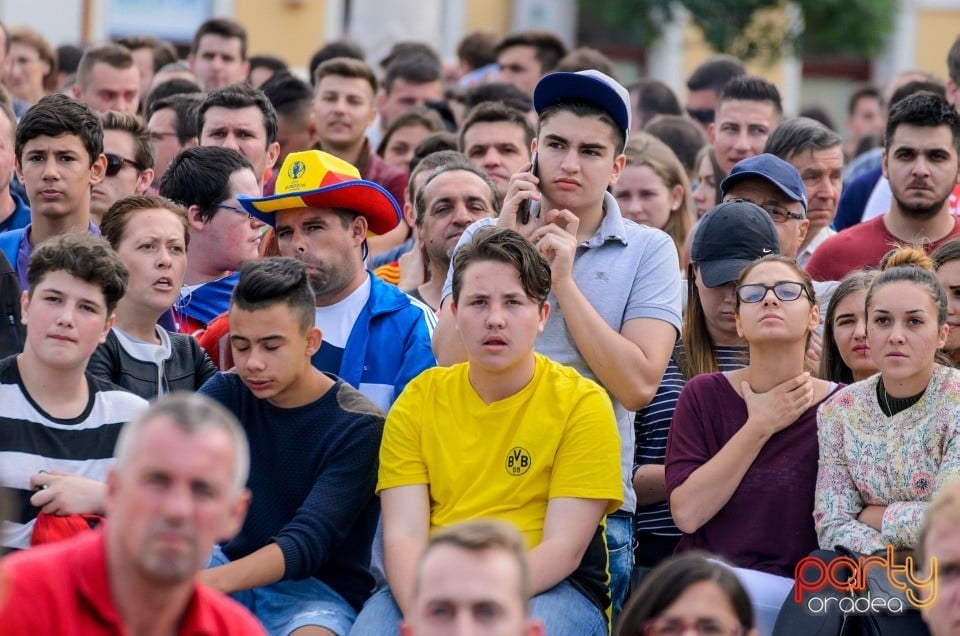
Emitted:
<point x="518" y="461"/>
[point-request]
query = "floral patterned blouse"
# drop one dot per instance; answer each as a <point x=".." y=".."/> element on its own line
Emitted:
<point x="900" y="462"/>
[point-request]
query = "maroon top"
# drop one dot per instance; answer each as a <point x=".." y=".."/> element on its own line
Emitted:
<point x="767" y="524"/>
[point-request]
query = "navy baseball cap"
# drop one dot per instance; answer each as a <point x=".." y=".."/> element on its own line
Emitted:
<point x="729" y="237"/>
<point x="588" y="86"/>
<point x="773" y="169"/>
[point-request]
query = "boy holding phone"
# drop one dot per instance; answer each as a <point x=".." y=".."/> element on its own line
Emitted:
<point x="615" y="284"/>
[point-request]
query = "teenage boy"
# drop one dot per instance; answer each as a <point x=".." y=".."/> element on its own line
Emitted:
<point x="59" y="153"/>
<point x="61" y="423"/>
<point x="748" y="110"/>
<point x="535" y="445"/>
<point x="616" y="284"/>
<point x="302" y="557"/>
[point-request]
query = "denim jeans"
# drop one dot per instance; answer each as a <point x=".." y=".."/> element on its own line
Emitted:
<point x="562" y="609"/>
<point x="620" y="551"/>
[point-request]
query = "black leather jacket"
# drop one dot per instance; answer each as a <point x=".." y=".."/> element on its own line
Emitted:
<point x="186" y="369"/>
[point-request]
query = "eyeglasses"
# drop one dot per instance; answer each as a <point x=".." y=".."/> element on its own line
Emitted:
<point x="678" y="627"/>
<point x="116" y="162"/>
<point x="785" y="290"/>
<point x="702" y="115"/>
<point x="224" y="206"/>
<point x="778" y="213"/>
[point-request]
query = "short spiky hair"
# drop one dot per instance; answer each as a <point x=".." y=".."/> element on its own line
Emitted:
<point x="89" y="258"/>
<point x="264" y="282"/>
<point x="113" y="55"/>
<point x="549" y="48"/>
<point x="924" y="109"/>
<point x="56" y="115"/>
<point x="504" y="245"/>
<point x="751" y="88"/>
<point x="346" y="67"/>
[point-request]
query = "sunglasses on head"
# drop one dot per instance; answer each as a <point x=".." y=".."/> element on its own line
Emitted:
<point x="116" y="162"/>
<point x="785" y="290"/>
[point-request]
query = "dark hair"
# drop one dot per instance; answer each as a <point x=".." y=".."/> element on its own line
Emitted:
<point x="270" y="62"/>
<point x="923" y="109"/>
<point x="163" y="51"/>
<point x="655" y="98"/>
<point x="235" y="97"/>
<point x="586" y="109"/>
<point x="56" y="115"/>
<point x="225" y="28"/>
<point x="115" y="220"/>
<point x="934" y="86"/>
<point x="143" y="152"/>
<point x="32" y="38"/>
<point x="170" y="88"/>
<point x="682" y="135"/>
<point x="495" y="112"/>
<point x="84" y="256"/>
<point x="459" y="163"/>
<point x="948" y="251"/>
<point x="819" y="114"/>
<point x="478" y="48"/>
<point x="715" y="73"/>
<point x="699" y="355"/>
<point x="911" y="264"/>
<point x="548" y="48"/>
<point x="433" y="143"/>
<point x="417" y="116"/>
<point x="584" y="58"/>
<point x="112" y="55"/>
<point x="669" y="580"/>
<point x="185" y="107"/>
<point x="68" y="58"/>
<point x="832" y="366"/>
<point x="504" y="245"/>
<point x="338" y="48"/>
<point x="752" y="89"/>
<point x="796" y="136"/>
<point x="864" y="92"/>
<point x="507" y="94"/>
<point x="290" y="96"/>
<point x="953" y="61"/>
<point x="346" y="67"/>
<point x="201" y="176"/>
<point x="264" y="282"/>
<point x="413" y="69"/>
<point x="409" y="48"/>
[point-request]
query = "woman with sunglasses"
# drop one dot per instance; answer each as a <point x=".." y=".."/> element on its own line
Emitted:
<point x="149" y="233"/>
<point x="888" y="444"/>
<point x="741" y="461"/>
<point x="845" y="356"/>
<point x="688" y="592"/>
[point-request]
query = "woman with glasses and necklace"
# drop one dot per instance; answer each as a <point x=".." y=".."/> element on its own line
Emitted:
<point x="889" y="444"/>
<point x="741" y="460"/>
<point x="149" y="233"/>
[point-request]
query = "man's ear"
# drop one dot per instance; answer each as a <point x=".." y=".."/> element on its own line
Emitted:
<point x="711" y="132"/>
<point x="273" y="152"/>
<point x="883" y="163"/>
<point x="544" y="312"/>
<point x="18" y="169"/>
<point x="76" y="92"/>
<point x="98" y="169"/>
<point x="24" y="306"/>
<point x="618" y="165"/>
<point x="106" y="328"/>
<point x="804" y="228"/>
<point x="235" y="516"/>
<point x="193" y="218"/>
<point x="144" y="181"/>
<point x="358" y="229"/>
<point x="314" y="340"/>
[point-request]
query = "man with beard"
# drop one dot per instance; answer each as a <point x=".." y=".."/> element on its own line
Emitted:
<point x="450" y="198"/>
<point x="920" y="160"/>
<point x="176" y="489"/>
<point x="375" y="337"/>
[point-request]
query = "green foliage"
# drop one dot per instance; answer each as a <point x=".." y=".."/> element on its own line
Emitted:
<point x="855" y="28"/>
<point x="636" y="23"/>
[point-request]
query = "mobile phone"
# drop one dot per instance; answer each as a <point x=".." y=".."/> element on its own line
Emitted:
<point x="523" y="211"/>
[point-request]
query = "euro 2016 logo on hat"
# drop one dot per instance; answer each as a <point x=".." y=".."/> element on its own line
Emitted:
<point x="297" y="169"/>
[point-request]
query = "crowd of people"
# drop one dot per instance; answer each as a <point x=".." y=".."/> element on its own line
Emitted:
<point x="500" y="346"/>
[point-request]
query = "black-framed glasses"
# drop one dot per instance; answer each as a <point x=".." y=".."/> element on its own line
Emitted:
<point x="224" y="206"/>
<point x="679" y="627"/>
<point x="785" y="290"/>
<point x="778" y="213"/>
<point x="702" y="115"/>
<point x="116" y="162"/>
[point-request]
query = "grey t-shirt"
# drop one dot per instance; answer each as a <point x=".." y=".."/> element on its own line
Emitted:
<point x="626" y="271"/>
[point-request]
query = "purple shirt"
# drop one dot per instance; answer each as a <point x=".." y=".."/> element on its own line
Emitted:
<point x="767" y="524"/>
<point x="25" y="250"/>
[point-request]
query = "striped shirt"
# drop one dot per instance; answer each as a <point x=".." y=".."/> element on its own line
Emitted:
<point x="32" y="440"/>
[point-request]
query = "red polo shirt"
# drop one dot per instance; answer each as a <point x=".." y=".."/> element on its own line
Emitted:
<point x="62" y="589"/>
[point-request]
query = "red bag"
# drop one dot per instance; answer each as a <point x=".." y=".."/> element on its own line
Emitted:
<point x="50" y="528"/>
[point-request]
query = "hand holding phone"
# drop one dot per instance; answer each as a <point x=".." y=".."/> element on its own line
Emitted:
<point x="523" y="210"/>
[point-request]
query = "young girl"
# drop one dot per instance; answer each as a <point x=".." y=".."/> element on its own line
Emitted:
<point x="653" y="189"/>
<point x="741" y="459"/>
<point x="846" y="356"/>
<point x="150" y="235"/>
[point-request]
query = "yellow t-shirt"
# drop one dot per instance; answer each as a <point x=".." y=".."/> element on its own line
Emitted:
<point x="557" y="437"/>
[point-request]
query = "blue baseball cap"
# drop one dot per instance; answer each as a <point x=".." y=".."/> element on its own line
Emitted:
<point x="773" y="169"/>
<point x="588" y="86"/>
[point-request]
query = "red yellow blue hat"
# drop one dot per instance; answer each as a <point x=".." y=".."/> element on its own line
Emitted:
<point x="316" y="179"/>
